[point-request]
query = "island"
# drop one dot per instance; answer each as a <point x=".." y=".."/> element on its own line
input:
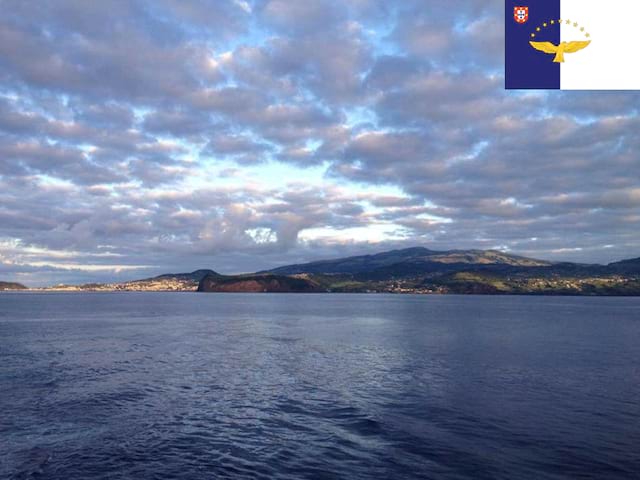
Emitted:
<point x="416" y="270"/>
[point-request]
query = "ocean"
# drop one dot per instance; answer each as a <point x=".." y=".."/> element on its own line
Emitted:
<point x="318" y="386"/>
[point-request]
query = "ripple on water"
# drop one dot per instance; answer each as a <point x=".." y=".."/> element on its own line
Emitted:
<point x="360" y="387"/>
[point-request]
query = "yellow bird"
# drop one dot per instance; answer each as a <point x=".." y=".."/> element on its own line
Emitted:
<point x="559" y="50"/>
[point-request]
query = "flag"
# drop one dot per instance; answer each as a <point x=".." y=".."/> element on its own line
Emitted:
<point x="572" y="44"/>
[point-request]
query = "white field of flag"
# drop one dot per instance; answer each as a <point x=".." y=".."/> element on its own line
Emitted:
<point x="612" y="60"/>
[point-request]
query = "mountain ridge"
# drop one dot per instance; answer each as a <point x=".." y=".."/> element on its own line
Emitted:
<point x="422" y="270"/>
<point x="415" y="255"/>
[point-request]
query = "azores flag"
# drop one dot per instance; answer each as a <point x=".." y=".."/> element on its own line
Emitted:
<point x="572" y="44"/>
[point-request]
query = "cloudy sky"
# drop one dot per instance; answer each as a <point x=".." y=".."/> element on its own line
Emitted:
<point x="147" y="136"/>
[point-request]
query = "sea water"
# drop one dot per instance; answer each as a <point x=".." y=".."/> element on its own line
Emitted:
<point x="293" y="386"/>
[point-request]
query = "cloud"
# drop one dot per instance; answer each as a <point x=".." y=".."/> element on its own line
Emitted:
<point x="265" y="132"/>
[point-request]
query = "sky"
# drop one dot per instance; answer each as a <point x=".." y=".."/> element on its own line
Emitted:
<point x="140" y="137"/>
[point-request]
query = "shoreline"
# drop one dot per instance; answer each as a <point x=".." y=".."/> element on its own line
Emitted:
<point x="421" y="294"/>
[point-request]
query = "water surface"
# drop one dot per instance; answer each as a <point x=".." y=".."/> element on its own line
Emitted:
<point x="189" y="386"/>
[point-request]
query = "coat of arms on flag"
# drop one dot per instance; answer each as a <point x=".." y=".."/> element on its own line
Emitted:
<point x="521" y="14"/>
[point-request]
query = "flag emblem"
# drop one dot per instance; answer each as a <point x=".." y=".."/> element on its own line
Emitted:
<point x="560" y="50"/>
<point x="562" y="47"/>
<point x="521" y="14"/>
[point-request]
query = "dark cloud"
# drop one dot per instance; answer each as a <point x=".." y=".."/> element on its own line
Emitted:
<point x="177" y="123"/>
<point x="106" y="116"/>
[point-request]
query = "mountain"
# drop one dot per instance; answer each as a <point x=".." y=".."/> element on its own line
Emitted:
<point x="410" y="261"/>
<point x="421" y="270"/>
<point x="259" y="283"/>
<point x="631" y="266"/>
<point x="12" y="286"/>
<point x="169" y="282"/>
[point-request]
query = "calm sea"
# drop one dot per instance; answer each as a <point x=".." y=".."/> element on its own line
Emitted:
<point x="208" y="386"/>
